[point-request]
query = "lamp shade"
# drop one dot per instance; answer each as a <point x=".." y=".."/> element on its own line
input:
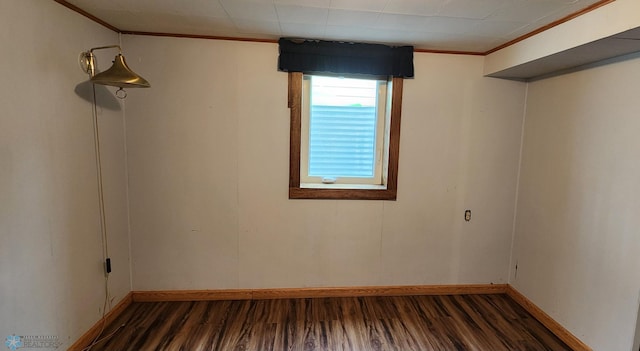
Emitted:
<point x="120" y="75"/>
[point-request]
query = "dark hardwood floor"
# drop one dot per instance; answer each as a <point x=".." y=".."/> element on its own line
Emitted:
<point x="420" y="323"/>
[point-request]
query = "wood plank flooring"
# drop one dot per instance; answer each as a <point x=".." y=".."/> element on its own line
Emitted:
<point x="412" y="323"/>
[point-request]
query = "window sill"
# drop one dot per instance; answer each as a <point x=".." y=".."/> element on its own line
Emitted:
<point x="342" y="194"/>
<point x="343" y="186"/>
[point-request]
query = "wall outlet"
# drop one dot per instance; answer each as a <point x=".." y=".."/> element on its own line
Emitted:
<point x="467" y="215"/>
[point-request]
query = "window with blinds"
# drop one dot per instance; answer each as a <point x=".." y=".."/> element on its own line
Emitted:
<point x="343" y="124"/>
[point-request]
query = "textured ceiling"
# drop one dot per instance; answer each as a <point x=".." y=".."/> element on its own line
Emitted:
<point x="448" y="25"/>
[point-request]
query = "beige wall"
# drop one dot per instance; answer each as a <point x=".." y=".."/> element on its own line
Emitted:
<point x="208" y="164"/>
<point x="51" y="275"/>
<point x="577" y="238"/>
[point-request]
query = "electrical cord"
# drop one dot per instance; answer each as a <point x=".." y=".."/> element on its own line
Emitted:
<point x="97" y="339"/>
<point x="103" y="228"/>
<point x="104" y="338"/>
<point x="96" y="140"/>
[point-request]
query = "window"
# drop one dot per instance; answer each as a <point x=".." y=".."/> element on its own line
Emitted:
<point x="344" y="137"/>
<point x="343" y="122"/>
<point x="372" y="153"/>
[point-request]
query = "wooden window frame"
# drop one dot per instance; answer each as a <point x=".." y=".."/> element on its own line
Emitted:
<point x="297" y="192"/>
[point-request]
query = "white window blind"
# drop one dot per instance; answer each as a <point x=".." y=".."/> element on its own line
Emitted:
<point x="342" y="141"/>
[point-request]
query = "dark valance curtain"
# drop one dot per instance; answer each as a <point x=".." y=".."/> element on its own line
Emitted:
<point x="316" y="56"/>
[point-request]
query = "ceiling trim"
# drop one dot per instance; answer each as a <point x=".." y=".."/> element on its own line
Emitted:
<point x="198" y="36"/>
<point x="450" y="52"/>
<point x="87" y="15"/>
<point x="275" y="41"/>
<point x="213" y="37"/>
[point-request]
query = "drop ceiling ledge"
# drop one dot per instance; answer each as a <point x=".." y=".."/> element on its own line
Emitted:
<point x="610" y="33"/>
<point x="625" y="45"/>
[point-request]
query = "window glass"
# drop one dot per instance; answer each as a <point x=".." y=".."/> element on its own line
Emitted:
<point x="343" y="127"/>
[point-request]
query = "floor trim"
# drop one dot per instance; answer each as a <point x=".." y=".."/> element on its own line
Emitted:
<point x="556" y="328"/>
<point x="287" y="293"/>
<point x="87" y="338"/>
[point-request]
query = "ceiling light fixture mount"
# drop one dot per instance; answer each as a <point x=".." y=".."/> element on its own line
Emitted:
<point x="118" y="75"/>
